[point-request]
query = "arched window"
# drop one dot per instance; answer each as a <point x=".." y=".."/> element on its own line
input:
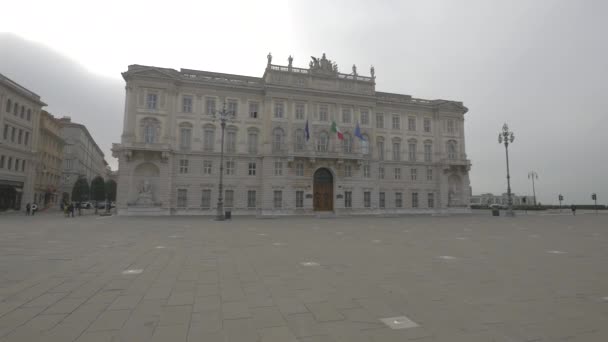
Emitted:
<point x="299" y="140"/>
<point x="208" y="137"/>
<point x="323" y="142"/>
<point x="451" y="147"/>
<point x="412" y="145"/>
<point x="185" y="136"/>
<point x="396" y="149"/>
<point x="365" y="144"/>
<point x="428" y="151"/>
<point x="150" y="130"/>
<point x="9" y="104"/>
<point x="231" y="139"/>
<point x="347" y="143"/>
<point x="252" y="140"/>
<point x="278" y="136"/>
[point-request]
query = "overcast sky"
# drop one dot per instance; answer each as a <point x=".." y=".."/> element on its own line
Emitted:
<point x="540" y="66"/>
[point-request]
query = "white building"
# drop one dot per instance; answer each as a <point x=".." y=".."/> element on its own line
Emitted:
<point x="19" y="120"/>
<point x="411" y="160"/>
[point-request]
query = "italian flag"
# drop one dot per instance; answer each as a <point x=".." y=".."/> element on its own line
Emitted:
<point x="335" y="129"/>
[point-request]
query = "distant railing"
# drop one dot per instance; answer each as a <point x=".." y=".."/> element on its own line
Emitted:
<point x="283" y="68"/>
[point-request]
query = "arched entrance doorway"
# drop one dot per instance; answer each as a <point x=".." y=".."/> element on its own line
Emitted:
<point x="323" y="189"/>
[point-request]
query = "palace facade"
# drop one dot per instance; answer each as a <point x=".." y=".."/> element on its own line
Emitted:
<point x="398" y="154"/>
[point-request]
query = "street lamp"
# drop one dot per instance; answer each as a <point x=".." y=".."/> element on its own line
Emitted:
<point x="594" y="198"/>
<point x="223" y="115"/>
<point x="532" y="175"/>
<point x="560" y="198"/>
<point x="507" y="137"/>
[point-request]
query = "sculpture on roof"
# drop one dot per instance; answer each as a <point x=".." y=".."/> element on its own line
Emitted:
<point x="290" y="60"/>
<point x="269" y="58"/>
<point x="372" y="71"/>
<point x="354" y="70"/>
<point x="323" y="64"/>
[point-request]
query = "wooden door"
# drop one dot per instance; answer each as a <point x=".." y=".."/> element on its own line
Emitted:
<point x="323" y="189"/>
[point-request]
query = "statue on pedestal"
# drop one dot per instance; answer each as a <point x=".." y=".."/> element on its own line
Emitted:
<point x="269" y="58"/>
<point x="372" y="71"/>
<point x="290" y="60"/>
<point x="144" y="198"/>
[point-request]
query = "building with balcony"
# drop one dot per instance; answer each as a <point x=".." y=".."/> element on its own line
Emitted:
<point x="50" y="161"/>
<point x="19" y="120"/>
<point x="398" y="154"/>
<point x="82" y="157"/>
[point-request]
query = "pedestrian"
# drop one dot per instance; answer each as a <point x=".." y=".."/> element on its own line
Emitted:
<point x="34" y="208"/>
<point x="573" y="210"/>
<point x="27" y="209"/>
<point x="79" y="207"/>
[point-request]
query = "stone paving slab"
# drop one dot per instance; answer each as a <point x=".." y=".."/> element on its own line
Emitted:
<point x="460" y="278"/>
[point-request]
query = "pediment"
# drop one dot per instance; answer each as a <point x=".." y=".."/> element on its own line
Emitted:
<point x="451" y="106"/>
<point x="142" y="71"/>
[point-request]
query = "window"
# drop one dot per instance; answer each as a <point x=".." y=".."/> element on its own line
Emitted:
<point x="279" y="109"/>
<point x="412" y="151"/>
<point x="396" y="122"/>
<point x="210" y="106"/>
<point x="278" y="168"/>
<point x="299" y="111"/>
<point x="251" y="169"/>
<point x="381" y="200"/>
<point x="427" y="125"/>
<point x="182" y="198"/>
<point x="451" y="150"/>
<point x="5" y="132"/>
<point x="299" y="145"/>
<point x="278" y="199"/>
<point x="29" y="114"/>
<point x="411" y="123"/>
<point x="347" y="143"/>
<point x="429" y="174"/>
<point x="206" y="198"/>
<point x="451" y="126"/>
<point x="397" y="173"/>
<point x="364" y="117"/>
<point x="69" y="163"/>
<point x="431" y="199"/>
<point x="17" y="164"/>
<point x="380" y="148"/>
<point x="254" y="107"/>
<point x="27" y="138"/>
<point x="346" y="117"/>
<point x="396" y="151"/>
<point x="299" y="199"/>
<point x="152" y="102"/>
<point x="9" y="103"/>
<point x="413" y="174"/>
<point x="207" y="167"/>
<point x="183" y="166"/>
<point x="300" y="169"/>
<point x="185" y="136"/>
<point x="233" y="107"/>
<point x="208" y="138"/>
<point x="1" y="162"/>
<point x="151" y="130"/>
<point x="367" y="199"/>
<point x="414" y="200"/>
<point x="13" y="131"/>
<point x="428" y="152"/>
<point x="364" y="144"/>
<point x="251" y="199"/>
<point x="348" y="199"/>
<point x="379" y="120"/>
<point x="277" y="140"/>
<point x="22" y="112"/>
<point x="252" y="142"/>
<point x="10" y="163"/>
<point x="381" y="172"/>
<point x="231" y="141"/>
<point x="187" y="104"/>
<point x="20" y="136"/>
<point x="322" y="142"/>
<point x="229" y="199"/>
<point x="348" y="171"/>
<point x="398" y="200"/>
<point x="323" y="113"/>
<point x="15" y="109"/>
<point x="366" y="173"/>
<point x="230" y="166"/>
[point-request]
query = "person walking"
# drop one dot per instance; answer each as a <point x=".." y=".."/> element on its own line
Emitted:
<point x="573" y="210"/>
<point x="79" y="207"/>
<point x="71" y="210"/>
<point x="27" y="209"/>
<point x="34" y="208"/>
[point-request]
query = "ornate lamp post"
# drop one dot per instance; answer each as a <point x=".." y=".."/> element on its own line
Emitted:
<point x="223" y="115"/>
<point x="507" y="137"/>
<point x="532" y="175"/>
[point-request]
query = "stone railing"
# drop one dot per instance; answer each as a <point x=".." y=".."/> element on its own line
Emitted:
<point x="352" y="77"/>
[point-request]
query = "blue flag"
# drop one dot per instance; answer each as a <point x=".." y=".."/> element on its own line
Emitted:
<point x="306" y="131"/>
<point x="358" y="132"/>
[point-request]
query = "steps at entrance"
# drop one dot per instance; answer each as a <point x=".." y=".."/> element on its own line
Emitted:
<point x="325" y="214"/>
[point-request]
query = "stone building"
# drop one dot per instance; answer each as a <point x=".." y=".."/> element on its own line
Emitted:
<point x="398" y="154"/>
<point x="19" y="120"/>
<point x="50" y="161"/>
<point x="82" y="157"/>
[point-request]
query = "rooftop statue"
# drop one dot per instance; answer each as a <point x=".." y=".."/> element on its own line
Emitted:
<point x="269" y="58"/>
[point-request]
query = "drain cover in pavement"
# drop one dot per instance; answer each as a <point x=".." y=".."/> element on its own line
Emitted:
<point x="556" y="252"/>
<point x="446" y="257"/>
<point x="309" y="263"/>
<point x="160" y="247"/>
<point x="134" y="271"/>
<point x="400" y="322"/>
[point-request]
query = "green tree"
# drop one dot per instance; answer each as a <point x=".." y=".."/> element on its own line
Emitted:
<point x="98" y="190"/>
<point x="80" y="191"/>
<point x="111" y="190"/>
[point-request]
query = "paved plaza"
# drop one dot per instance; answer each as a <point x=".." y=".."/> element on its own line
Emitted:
<point x="455" y="279"/>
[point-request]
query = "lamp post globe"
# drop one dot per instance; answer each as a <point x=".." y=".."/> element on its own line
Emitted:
<point x="507" y="137"/>
<point x="223" y="116"/>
